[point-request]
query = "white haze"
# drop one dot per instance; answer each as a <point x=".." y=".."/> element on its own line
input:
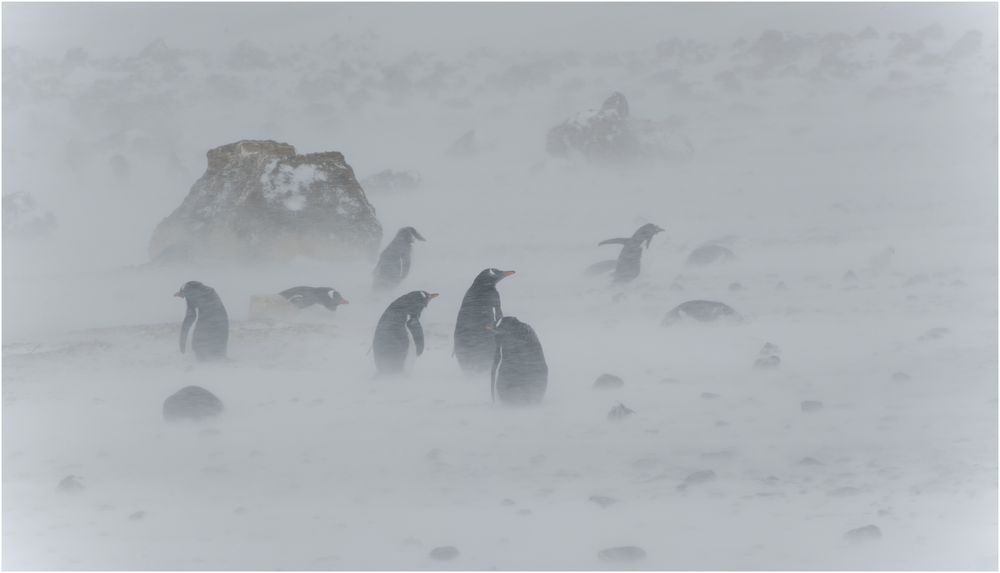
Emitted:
<point x="314" y="465"/>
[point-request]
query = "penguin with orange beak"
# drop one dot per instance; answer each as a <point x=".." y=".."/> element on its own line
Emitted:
<point x="480" y="308"/>
<point x="209" y="320"/>
<point x="399" y="323"/>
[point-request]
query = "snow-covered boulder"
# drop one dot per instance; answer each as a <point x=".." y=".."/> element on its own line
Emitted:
<point x="23" y="217"/>
<point x="611" y="135"/>
<point x="259" y="200"/>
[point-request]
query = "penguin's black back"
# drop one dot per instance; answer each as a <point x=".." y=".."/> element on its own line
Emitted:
<point x="391" y="343"/>
<point x="394" y="262"/>
<point x="480" y="309"/>
<point x="520" y="374"/>
<point x="210" y="336"/>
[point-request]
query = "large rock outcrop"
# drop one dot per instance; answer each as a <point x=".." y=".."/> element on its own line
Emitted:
<point x="258" y="200"/>
<point x="611" y="135"/>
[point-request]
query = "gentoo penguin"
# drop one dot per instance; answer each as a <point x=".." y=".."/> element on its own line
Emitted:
<point x="211" y="332"/>
<point x="303" y="296"/>
<point x="627" y="267"/>
<point x="394" y="262"/>
<point x="480" y="308"/>
<point x="392" y="344"/>
<point x="519" y="374"/>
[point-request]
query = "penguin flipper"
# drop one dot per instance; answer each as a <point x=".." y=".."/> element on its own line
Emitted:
<point x="497" y="357"/>
<point x="418" y="334"/>
<point x="619" y="241"/>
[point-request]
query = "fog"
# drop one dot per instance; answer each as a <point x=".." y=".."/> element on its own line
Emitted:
<point x="846" y="154"/>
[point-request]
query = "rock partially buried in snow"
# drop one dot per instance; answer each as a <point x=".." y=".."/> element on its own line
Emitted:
<point x="445" y="553"/>
<point x="700" y="476"/>
<point x="607" y="381"/>
<point x="191" y="403"/>
<point x="624" y="554"/>
<point x="866" y="533"/>
<point x="769" y="349"/>
<point x="935" y="333"/>
<point x="811" y="405"/>
<point x="258" y="200"/>
<point x="603" y="500"/>
<point x="702" y="311"/>
<point x="767" y="363"/>
<point x="24" y="218"/>
<point x="620" y="412"/>
<point x="709" y="254"/>
<point x="900" y="377"/>
<point x="70" y="484"/>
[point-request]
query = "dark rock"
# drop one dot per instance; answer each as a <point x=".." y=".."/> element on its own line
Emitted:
<point x="850" y="276"/>
<point x="811" y="406"/>
<point x="733" y="287"/>
<point x="767" y="363"/>
<point x="70" y="484"/>
<point x="136" y="516"/>
<point x="603" y="500"/>
<point x="258" y="200"/>
<point x="866" y="533"/>
<point x="611" y="135"/>
<point x="620" y="412"/>
<point x="709" y="395"/>
<point x="625" y="554"/>
<point x="701" y="310"/>
<point x="445" y="553"/>
<point x="389" y="181"/>
<point x="507" y="502"/>
<point x="700" y="476"/>
<point x="900" y="377"/>
<point x="807" y="461"/>
<point x="709" y="254"/>
<point x="843" y="491"/>
<point x="781" y="286"/>
<point x="605" y="381"/>
<point x="769" y="349"/>
<point x="465" y="146"/>
<point x="935" y="333"/>
<point x="191" y="403"/>
<point x="24" y="218"/>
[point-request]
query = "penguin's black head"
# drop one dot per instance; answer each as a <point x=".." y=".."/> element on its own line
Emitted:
<point x="410" y="234"/>
<point x="420" y="298"/>
<point x="646" y="232"/>
<point x="191" y="288"/>
<point x="492" y="276"/>
<point x="333" y="299"/>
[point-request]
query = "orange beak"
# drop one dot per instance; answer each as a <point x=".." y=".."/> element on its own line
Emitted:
<point x="344" y="301"/>
<point x="178" y="294"/>
<point x="433" y="295"/>
<point x="506" y="274"/>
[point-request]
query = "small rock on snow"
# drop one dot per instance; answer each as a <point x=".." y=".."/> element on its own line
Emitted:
<point x="866" y="533"/>
<point x="606" y="381"/>
<point x="625" y="554"/>
<point x="445" y="553"/>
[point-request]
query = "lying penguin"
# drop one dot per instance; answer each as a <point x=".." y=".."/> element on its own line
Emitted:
<point x="627" y="265"/>
<point x="520" y="374"/>
<point x="206" y="317"/>
<point x="287" y="303"/>
<point x="399" y="323"/>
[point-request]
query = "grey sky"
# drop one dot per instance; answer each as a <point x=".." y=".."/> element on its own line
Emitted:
<point x="106" y="28"/>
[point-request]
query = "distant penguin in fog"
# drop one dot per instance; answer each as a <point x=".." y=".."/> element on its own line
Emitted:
<point x="208" y="316"/>
<point x="480" y="309"/>
<point x="519" y="374"/>
<point x="304" y="297"/>
<point x="629" y="260"/>
<point x="400" y="322"/>
<point x="394" y="262"/>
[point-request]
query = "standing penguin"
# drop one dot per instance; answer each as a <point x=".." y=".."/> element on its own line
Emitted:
<point x="519" y="374"/>
<point x="211" y="332"/>
<point x="392" y="343"/>
<point x="480" y="308"/>
<point x="304" y="297"/>
<point x="394" y="262"/>
<point x="627" y="267"/>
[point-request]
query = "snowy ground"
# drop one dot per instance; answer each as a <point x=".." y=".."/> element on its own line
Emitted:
<point x="316" y="465"/>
